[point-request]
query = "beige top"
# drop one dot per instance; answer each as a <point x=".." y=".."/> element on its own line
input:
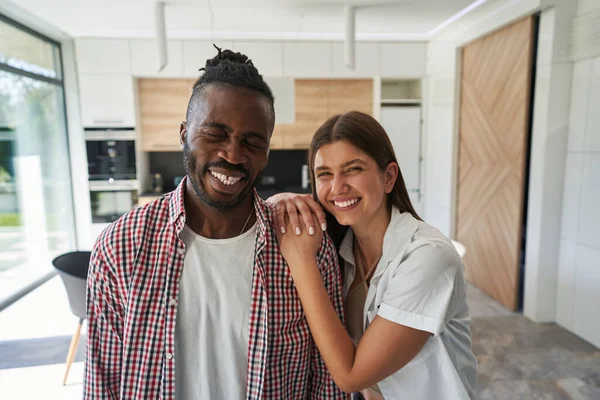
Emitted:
<point x="355" y="304"/>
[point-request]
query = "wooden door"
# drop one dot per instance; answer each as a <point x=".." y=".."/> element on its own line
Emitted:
<point x="493" y="129"/>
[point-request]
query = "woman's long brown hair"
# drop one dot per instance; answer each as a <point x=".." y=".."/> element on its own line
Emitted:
<point x="364" y="132"/>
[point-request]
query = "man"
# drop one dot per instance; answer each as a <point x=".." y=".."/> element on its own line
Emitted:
<point x="188" y="296"/>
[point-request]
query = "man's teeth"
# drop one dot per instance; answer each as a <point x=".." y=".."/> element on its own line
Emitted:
<point x="344" y="204"/>
<point x="226" y="180"/>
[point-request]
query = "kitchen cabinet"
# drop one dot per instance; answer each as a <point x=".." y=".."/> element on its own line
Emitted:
<point x="312" y="99"/>
<point x="144" y="58"/>
<point x="107" y="101"/>
<point x="350" y="95"/>
<point x="92" y="56"/>
<point x="319" y="99"/>
<point x="267" y="57"/>
<point x="195" y="54"/>
<point x="299" y="135"/>
<point x="403" y="126"/>
<point x="308" y="59"/>
<point x="163" y="104"/>
<point x="283" y="90"/>
<point x="403" y="60"/>
<point x="366" y="63"/>
<point x="277" y="137"/>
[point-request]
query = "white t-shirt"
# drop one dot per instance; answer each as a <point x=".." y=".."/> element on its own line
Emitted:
<point x="419" y="283"/>
<point x="212" y="328"/>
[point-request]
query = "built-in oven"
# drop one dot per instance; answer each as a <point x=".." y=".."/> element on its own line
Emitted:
<point x="109" y="200"/>
<point x="111" y="154"/>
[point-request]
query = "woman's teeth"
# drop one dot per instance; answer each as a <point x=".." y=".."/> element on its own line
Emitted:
<point x="226" y="180"/>
<point x="344" y="204"/>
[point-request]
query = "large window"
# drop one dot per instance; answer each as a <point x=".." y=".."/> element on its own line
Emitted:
<point x="36" y="208"/>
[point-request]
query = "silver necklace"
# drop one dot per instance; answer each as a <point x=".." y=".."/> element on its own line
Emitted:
<point x="247" y="219"/>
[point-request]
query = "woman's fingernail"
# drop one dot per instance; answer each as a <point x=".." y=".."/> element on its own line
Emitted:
<point x="324" y="226"/>
<point x="282" y="229"/>
<point x="311" y="230"/>
<point x="298" y="231"/>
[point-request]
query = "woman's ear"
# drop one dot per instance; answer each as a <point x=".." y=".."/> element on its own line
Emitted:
<point x="390" y="176"/>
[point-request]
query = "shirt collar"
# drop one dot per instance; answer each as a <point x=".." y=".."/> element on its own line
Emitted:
<point x="398" y="236"/>
<point x="177" y="209"/>
<point x="399" y="233"/>
<point x="177" y="205"/>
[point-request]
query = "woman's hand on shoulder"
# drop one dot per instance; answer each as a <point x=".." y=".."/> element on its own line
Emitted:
<point x="302" y="211"/>
<point x="299" y="250"/>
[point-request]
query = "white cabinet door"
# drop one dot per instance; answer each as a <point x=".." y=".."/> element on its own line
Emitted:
<point x="103" y="56"/>
<point x="366" y="61"/>
<point x="144" y="58"/>
<point x="267" y="57"/>
<point x="284" y="91"/>
<point x="195" y="54"/>
<point x="403" y="60"/>
<point x="308" y="59"/>
<point x="107" y="101"/>
<point x="403" y="126"/>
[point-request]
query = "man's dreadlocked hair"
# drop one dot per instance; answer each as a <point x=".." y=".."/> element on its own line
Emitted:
<point x="229" y="69"/>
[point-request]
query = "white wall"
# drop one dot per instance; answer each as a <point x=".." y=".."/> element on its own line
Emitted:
<point x="441" y="98"/>
<point x="579" y="265"/>
<point x="548" y="150"/>
<point x="549" y="139"/>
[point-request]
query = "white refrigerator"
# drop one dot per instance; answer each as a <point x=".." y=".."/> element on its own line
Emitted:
<point x="403" y="126"/>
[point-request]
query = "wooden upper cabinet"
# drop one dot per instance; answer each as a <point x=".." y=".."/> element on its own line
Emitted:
<point x="277" y="138"/>
<point x="163" y="104"/>
<point x="311" y="111"/>
<point x="319" y="99"/>
<point x="350" y="95"/>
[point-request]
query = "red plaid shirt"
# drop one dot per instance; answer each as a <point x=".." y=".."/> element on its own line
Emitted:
<point x="133" y="288"/>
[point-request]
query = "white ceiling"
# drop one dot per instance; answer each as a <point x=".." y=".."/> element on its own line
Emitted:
<point x="247" y="19"/>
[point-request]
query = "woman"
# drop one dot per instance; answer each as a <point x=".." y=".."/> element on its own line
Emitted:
<point x="407" y="316"/>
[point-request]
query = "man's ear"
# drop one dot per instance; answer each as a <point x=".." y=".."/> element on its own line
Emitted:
<point x="182" y="132"/>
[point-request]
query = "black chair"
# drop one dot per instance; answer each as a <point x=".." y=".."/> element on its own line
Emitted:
<point x="73" y="269"/>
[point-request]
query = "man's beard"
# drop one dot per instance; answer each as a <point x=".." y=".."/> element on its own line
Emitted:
<point x="195" y="178"/>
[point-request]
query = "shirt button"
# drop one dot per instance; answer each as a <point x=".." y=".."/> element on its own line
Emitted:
<point x="169" y="356"/>
<point x="181" y="251"/>
<point x="172" y="302"/>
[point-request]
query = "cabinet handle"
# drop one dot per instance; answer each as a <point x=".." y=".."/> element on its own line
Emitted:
<point x="109" y="121"/>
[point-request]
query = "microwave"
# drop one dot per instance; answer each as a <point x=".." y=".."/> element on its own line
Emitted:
<point x="111" y="155"/>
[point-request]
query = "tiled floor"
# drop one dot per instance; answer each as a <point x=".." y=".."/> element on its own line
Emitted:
<point x="43" y="315"/>
<point x="518" y="359"/>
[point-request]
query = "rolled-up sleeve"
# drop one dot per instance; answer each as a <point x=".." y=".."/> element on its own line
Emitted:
<point x="421" y="290"/>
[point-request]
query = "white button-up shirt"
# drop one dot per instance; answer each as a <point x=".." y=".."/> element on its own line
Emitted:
<point x="419" y="283"/>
